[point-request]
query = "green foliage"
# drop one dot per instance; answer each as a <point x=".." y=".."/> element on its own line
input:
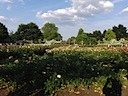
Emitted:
<point x="4" y="37"/>
<point x="98" y="35"/>
<point x="30" y="68"/>
<point x="53" y="84"/>
<point x="81" y="37"/>
<point x="91" y="41"/>
<point x="86" y="38"/>
<point x="120" y="31"/>
<point x="50" y="32"/>
<point x="71" y="40"/>
<point x="28" y="31"/>
<point x="109" y="35"/>
<point x="78" y="82"/>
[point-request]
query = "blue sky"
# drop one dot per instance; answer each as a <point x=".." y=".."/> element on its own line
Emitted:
<point x="68" y="15"/>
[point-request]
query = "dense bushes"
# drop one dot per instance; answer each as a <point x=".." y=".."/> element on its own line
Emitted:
<point x="33" y="69"/>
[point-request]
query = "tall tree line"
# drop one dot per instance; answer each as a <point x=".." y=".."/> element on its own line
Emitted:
<point x="30" y="31"/>
<point x="49" y="31"/>
<point x="117" y="32"/>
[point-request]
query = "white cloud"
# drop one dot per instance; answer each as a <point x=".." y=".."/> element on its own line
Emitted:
<point x="79" y="10"/>
<point x="3" y="18"/>
<point x="6" y="19"/>
<point x="12" y="19"/>
<point x="11" y="1"/>
<point x="125" y="10"/>
<point x="106" y="4"/>
<point x="66" y="1"/>
<point x="8" y="1"/>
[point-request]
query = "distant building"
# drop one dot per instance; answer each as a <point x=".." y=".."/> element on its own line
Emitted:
<point x="52" y="42"/>
<point x="22" y="42"/>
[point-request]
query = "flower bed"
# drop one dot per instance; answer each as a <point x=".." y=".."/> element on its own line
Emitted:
<point x="50" y="69"/>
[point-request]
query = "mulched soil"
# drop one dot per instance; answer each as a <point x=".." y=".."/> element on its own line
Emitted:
<point x="86" y="92"/>
<point x="4" y="91"/>
<point x="78" y="91"/>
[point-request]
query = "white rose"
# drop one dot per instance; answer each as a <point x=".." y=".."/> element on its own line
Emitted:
<point x="58" y="76"/>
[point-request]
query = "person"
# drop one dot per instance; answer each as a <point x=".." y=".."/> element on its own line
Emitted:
<point x="112" y="87"/>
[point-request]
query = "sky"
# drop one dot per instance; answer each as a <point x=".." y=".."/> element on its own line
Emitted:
<point x="68" y="15"/>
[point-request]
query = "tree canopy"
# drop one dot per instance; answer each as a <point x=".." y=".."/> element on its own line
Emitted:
<point x="71" y="40"/>
<point x="4" y="36"/>
<point x="28" y="31"/>
<point x="98" y="35"/>
<point x="109" y="34"/>
<point x="120" y="31"/>
<point x="50" y="32"/>
<point x="81" y="36"/>
<point x="91" y="41"/>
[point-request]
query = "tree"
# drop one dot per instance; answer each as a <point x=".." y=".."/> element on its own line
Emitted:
<point x="98" y="35"/>
<point x="28" y="31"/>
<point x="104" y="32"/>
<point x="50" y="32"/>
<point x="109" y="34"/>
<point x="81" y="37"/>
<point x="72" y="40"/>
<point x="120" y="31"/>
<point x="90" y="35"/>
<point x="92" y="41"/>
<point x="4" y="36"/>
